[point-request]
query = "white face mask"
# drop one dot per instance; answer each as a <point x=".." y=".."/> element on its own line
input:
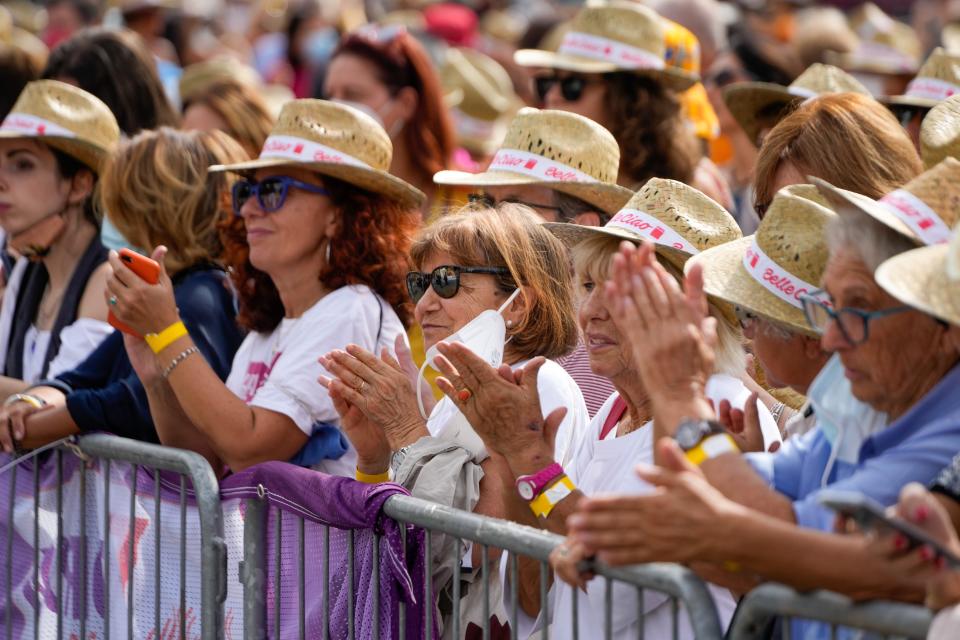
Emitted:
<point x="844" y="421"/>
<point x="485" y="336"/>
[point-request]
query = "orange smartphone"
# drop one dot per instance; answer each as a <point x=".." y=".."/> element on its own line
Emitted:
<point x="147" y="269"/>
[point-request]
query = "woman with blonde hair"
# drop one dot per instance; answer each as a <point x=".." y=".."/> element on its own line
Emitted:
<point x="156" y="191"/>
<point x="850" y="140"/>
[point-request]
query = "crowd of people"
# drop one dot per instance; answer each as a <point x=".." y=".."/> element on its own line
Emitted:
<point x="660" y="277"/>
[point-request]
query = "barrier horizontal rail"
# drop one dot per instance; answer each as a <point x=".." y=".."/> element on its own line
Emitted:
<point x="889" y="619"/>
<point x="72" y="550"/>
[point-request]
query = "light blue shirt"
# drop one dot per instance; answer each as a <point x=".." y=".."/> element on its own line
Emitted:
<point x="913" y="448"/>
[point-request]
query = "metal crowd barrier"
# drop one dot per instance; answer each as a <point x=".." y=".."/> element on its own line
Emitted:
<point x="676" y="581"/>
<point x="880" y="618"/>
<point x="69" y="575"/>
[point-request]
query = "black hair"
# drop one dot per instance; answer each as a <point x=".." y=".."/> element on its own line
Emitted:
<point x="68" y="167"/>
<point x="116" y="67"/>
<point x="16" y="70"/>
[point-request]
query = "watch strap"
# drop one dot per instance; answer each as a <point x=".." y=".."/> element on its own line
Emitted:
<point x="541" y="479"/>
<point x="544" y="503"/>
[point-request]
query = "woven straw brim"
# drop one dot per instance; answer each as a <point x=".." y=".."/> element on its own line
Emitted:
<point x="855" y="63"/>
<point x="841" y="198"/>
<point x="919" y="279"/>
<point x="674" y="78"/>
<point x="573" y="234"/>
<point x="747" y="99"/>
<point x="725" y="278"/>
<point x="909" y="101"/>
<point x="370" y="179"/>
<point x="86" y="152"/>
<point x="487" y="145"/>
<point x="609" y="198"/>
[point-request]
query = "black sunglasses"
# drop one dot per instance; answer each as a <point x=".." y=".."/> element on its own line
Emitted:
<point x="445" y="280"/>
<point x="571" y="87"/>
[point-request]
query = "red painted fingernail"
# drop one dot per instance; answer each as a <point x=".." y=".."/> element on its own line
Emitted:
<point x="927" y="553"/>
<point x="921" y="514"/>
<point x="899" y="542"/>
<point x="464" y="395"/>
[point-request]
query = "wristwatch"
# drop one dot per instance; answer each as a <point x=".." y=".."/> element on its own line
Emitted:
<point x="529" y="487"/>
<point x="704" y="439"/>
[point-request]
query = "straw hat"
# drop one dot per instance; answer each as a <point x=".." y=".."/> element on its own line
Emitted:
<point x="335" y="140"/>
<point x="927" y="279"/>
<point x="937" y="80"/>
<point x="924" y="209"/>
<point x="620" y="36"/>
<point x="14" y="36"/>
<point x="940" y="132"/>
<point x="680" y="220"/>
<point x="486" y="102"/>
<point x="557" y="149"/>
<point x="66" y="118"/>
<point x="748" y="100"/>
<point x="198" y="77"/>
<point x="950" y="37"/>
<point x="767" y="272"/>
<point x="887" y="46"/>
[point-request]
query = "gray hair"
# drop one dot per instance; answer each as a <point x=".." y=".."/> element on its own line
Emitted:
<point x="869" y="238"/>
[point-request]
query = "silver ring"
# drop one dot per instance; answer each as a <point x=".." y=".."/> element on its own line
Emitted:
<point x="363" y="385"/>
<point x="113" y="301"/>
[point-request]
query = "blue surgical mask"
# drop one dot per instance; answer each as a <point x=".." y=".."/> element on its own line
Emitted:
<point x="845" y="421"/>
<point x="111" y="238"/>
<point x="319" y="45"/>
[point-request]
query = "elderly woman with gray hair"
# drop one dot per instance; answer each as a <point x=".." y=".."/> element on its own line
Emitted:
<point x="899" y="424"/>
<point x="683" y="222"/>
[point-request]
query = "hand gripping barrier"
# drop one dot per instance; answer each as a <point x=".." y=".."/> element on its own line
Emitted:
<point x="98" y="542"/>
<point x="838" y="613"/>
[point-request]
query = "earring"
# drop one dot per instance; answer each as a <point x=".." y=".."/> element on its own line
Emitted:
<point x="327" y="256"/>
<point x="509" y="323"/>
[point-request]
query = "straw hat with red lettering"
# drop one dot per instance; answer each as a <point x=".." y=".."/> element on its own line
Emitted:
<point x="940" y="132"/>
<point x="619" y="36"/>
<point x="927" y="279"/>
<point x="556" y="149"/>
<point x="680" y="220"/>
<point x="887" y="46"/>
<point x="335" y="140"/>
<point x="487" y="99"/>
<point x="66" y="118"/>
<point x="750" y="101"/>
<point x="937" y="80"/>
<point x="765" y="273"/>
<point x="924" y="210"/>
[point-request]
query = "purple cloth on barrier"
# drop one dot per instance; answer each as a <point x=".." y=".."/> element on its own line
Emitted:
<point x="350" y="508"/>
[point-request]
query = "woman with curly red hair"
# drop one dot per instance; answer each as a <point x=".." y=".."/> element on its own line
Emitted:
<point x="318" y="255"/>
<point x="385" y="69"/>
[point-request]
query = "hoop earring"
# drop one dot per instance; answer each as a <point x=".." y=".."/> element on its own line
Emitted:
<point x="327" y="253"/>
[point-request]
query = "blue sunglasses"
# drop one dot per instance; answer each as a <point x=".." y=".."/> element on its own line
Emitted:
<point x="270" y="192"/>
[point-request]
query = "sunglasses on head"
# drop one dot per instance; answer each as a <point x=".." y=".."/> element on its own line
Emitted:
<point x="486" y="200"/>
<point x="445" y="280"/>
<point x="271" y="193"/>
<point x="571" y="87"/>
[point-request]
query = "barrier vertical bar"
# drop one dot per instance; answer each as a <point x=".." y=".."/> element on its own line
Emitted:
<point x="10" y="512"/>
<point x="131" y="544"/>
<point x="253" y="573"/>
<point x="575" y="612"/>
<point x="83" y="550"/>
<point x="183" y="558"/>
<point x="59" y="458"/>
<point x="156" y="553"/>
<point x="403" y="605"/>
<point x="376" y="585"/>
<point x="36" y="550"/>
<point x="351" y="591"/>
<point x="301" y="580"/>
<point x="675" y="613"/>
<point x="514" y="563"/>
<point x="544" y="591"/>
<point x="485" y="568"/>
<point x="106" y="550"/>
<point x="326" y="582"/>
<point x="457" y="576"/>
<point x="641" y="628"/>
<point x="427" y="585"/>
<point x="277" y="555"/>
<point x="608" y="609"/>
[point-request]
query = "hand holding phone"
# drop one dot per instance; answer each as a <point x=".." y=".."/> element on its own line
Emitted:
<point x="147" y="270"/>
<point x="870" y="515"/>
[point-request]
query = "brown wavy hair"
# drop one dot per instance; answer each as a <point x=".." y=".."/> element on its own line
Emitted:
<point x="850" y="140"/>
<point x="371" y="249"/>
<point x="511" y="236"/>
<point x="241" y="108"/>
<point x="646" y="119"/>
<point x="156" y="190"/>
<point x="403" y="62"/>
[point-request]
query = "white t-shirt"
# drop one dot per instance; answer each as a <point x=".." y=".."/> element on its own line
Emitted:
<point x="556" y="389"/>
<point x="77" y="341"/>
<point x="279" y="370"/>
<point x="607" y="466"/>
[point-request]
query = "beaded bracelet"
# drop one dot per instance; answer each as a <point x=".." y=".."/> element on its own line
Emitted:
<point x="186" y="353"/>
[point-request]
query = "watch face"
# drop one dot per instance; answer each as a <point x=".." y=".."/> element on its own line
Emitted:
<point x="525" y="488"/>
<point x="689" y="434"/>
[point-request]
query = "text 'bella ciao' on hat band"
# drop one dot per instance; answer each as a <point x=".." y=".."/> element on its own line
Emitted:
<point x="536" y="166"/>
<point x="918" y="216"/>
<point x="303" y="150"/>
<point x="634" y="221"/>
<point x="30" y="125"/>
<point x="774" y="278"/>
<point x="588" y="45"/>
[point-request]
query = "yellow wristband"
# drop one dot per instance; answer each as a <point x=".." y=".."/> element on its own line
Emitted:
<point x="373" y="478"/>
<point x="160" y="341"/>
<point x="544" y="503"/>
<point x="711" y="447"/>
<point x="33" y="401"/>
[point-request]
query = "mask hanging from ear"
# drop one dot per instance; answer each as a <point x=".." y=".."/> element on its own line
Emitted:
<point x="34" y="243"/>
